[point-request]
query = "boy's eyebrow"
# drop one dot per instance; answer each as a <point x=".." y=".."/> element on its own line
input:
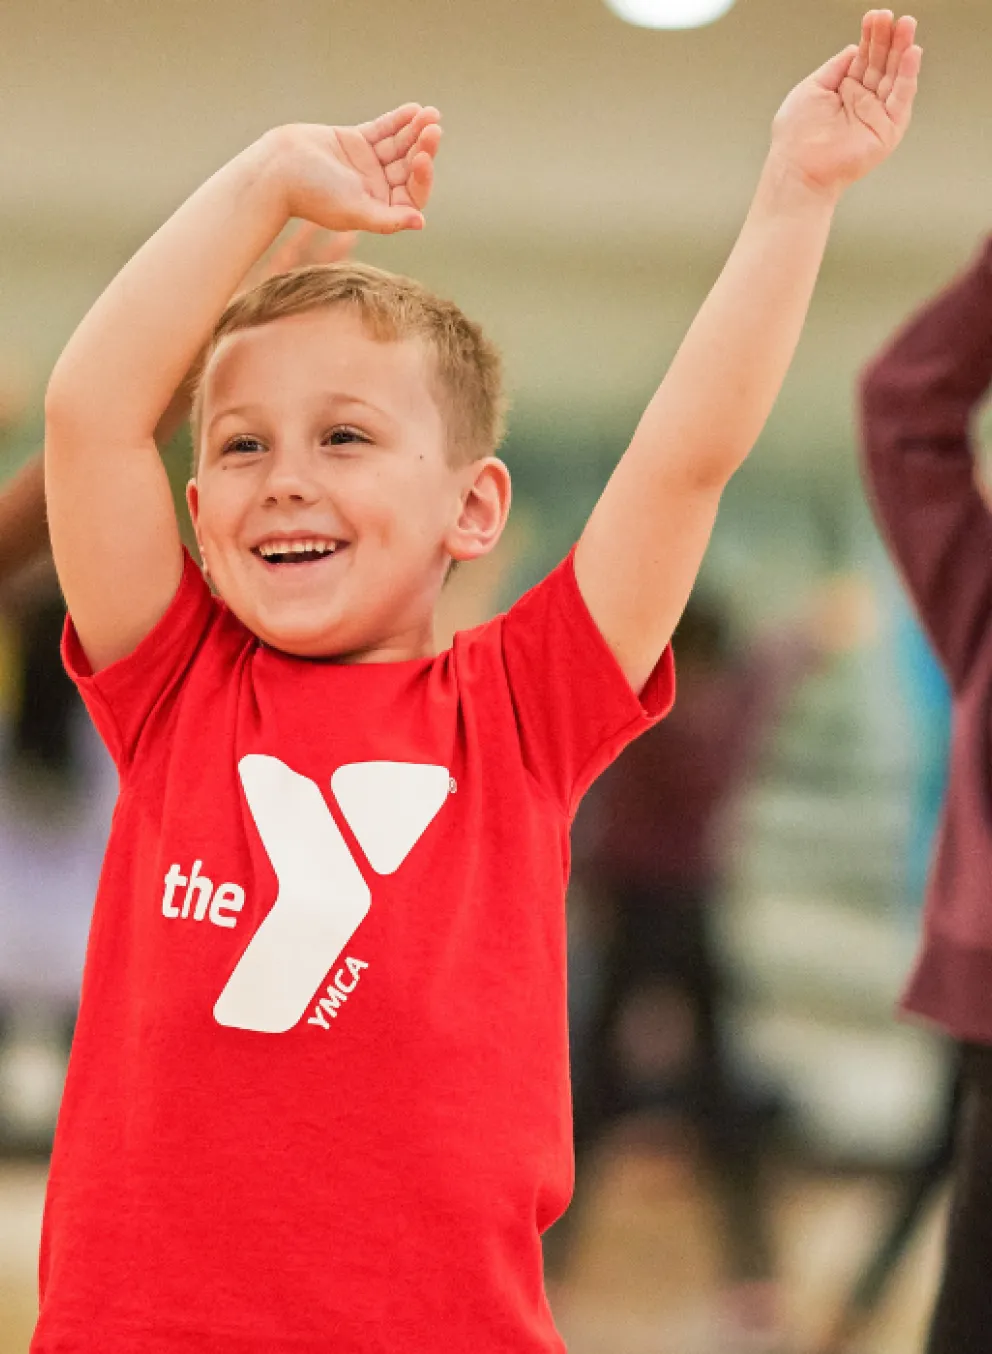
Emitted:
<point x="248" y="410"/>
<point x="239" y="410"/>
<point x="365" y="404"/>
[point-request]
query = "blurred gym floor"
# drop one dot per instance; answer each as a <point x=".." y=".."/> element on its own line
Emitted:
<point x="642" y="1277"/>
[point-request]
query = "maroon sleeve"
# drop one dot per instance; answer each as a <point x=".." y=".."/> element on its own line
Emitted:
<point x="574" y="707"/>
<point x="918" y="398"/>
<point x="126" y="697"/>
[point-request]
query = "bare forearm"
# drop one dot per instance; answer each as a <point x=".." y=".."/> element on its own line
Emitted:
<point x="646" y="536"/>
<point x="721" y="386"/>
<point x="134" y="348"/>
<point x="23" y="529"/>
<point x="177" y="413"/>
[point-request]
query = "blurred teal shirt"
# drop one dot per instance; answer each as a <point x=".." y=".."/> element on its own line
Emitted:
<point x="928" y="698"/>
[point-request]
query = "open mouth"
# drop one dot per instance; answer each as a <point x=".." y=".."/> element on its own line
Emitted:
<point x="297" y="552"/>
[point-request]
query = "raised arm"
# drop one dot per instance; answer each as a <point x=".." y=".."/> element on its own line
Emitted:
<point x="23" y="521"/>
<point x="110" y="511"/>
<point x="918" y="398"/>
<point x="640" y="552"/>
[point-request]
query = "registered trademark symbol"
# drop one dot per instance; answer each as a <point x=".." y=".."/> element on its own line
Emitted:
<point x="452" y="785"/>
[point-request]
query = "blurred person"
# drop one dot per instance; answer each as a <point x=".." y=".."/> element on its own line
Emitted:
<point x="660" y="826"/>
<point x="57" y="789"/>
<point x="23" y="529"/>
<point x="927" y="697"/>
<point x="44" y="699"/>
<point x="43" y="763"/>
<point x="297" y="1135"/>
<point x="919" y="398"/>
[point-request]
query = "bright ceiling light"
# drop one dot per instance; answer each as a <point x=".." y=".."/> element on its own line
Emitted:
<point x="670" y="13"/>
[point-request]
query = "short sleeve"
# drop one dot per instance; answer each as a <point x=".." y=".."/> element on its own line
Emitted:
<point x="574" y="707"/>
<point x="125" y="697"/>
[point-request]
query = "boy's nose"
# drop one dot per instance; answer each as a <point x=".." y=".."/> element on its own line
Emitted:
<point x="290" y="478"/>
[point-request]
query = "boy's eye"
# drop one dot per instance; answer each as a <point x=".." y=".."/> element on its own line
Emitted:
<point x="339" y="437"/>
<point x="243" y="444"/>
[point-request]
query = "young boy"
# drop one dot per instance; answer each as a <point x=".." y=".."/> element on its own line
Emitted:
<point x="318" y="1097"/>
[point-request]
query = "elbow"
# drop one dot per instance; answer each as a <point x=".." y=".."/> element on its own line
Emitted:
<point x="69" y="406"/>
<point x="61" y="404"/>
<point x="708" y="466"/>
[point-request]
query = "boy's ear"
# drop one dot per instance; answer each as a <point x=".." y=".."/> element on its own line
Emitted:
<point x="193" y="503"/>
<point x="485" y="502"/>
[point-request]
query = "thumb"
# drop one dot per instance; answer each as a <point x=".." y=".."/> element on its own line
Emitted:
<point x="382" y="219"/>
<point x="832" y="72"/>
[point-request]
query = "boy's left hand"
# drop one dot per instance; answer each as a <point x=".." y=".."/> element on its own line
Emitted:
<point x="848" y="116"/>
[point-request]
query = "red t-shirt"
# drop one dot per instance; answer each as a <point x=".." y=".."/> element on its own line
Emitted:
<point x="318" y="1096"/>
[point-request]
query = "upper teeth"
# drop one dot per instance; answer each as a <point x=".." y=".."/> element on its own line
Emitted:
<point x="297" y="547"/>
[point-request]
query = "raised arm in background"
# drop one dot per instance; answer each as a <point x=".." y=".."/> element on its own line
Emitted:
<point x="918" y="398"/>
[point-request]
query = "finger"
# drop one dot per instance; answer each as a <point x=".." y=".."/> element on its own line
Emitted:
<point x="899" y="104"/>
<point x="421" y="179"/>
<point x="878" y="48"/>
<point x="428" y="143"/>
<point x="860" y="63"/>
<point x="902" y="40"/>
<point x="381" y="219"/>
<point x="833" y="72"/>
<point x="397" y="146"/>
<point x="402" y="146"/>
<point x="429" y="140"/>
<point x="388" y="124"/>
<point x="903" y="35"/>
<point x="416" y="187"/>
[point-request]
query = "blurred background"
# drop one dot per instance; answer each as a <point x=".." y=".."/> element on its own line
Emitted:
<point x="751" y="1115"/>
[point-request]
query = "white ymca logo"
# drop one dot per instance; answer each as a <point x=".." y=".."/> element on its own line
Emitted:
<point x="322" y="897"/>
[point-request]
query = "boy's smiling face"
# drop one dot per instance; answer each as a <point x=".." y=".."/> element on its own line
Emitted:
<point x="325" y="504"/>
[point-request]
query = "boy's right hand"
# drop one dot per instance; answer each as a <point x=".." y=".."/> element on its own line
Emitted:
<point x="374" y="177"/>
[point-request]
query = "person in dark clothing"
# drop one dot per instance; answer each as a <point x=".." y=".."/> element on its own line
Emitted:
<point x="40" y="739"/>
<point x="928" y="704"/>
<point x="653" y="848"/>
<point x="919" y="398"/>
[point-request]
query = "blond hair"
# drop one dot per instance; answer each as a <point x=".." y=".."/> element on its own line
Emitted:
<point x="467" y="369"/>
